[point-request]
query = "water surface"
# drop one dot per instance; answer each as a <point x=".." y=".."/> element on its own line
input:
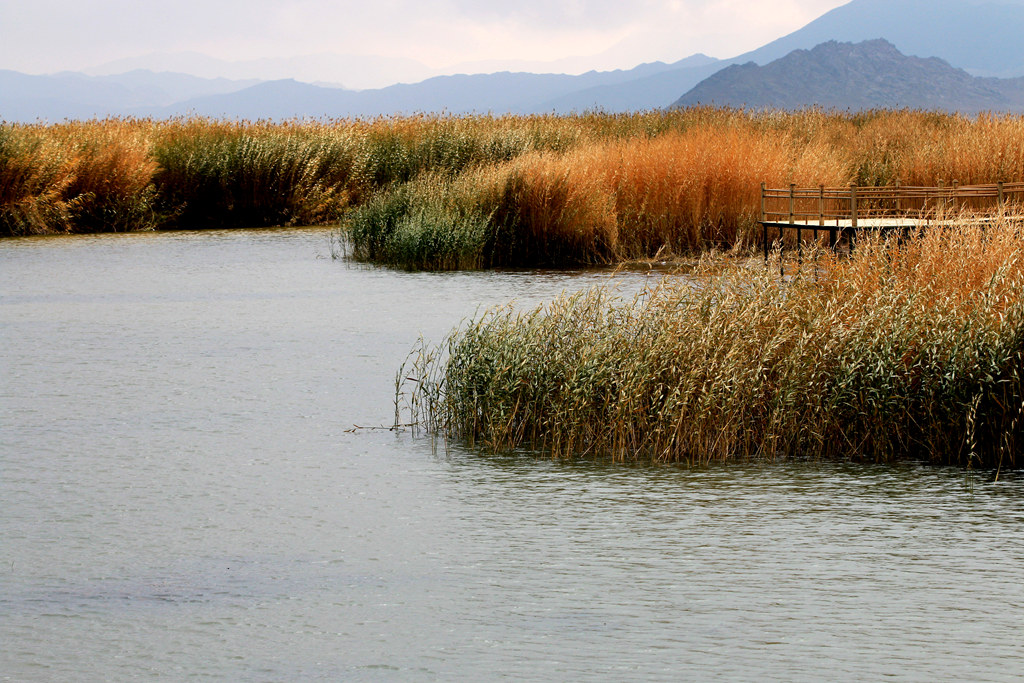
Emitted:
<point x="185" y="497"/>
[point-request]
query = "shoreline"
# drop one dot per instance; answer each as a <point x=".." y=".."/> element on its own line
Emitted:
<point x="437" y="192"/>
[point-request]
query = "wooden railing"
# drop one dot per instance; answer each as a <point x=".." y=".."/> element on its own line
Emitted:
<point x="846" y="211"/>
<point x="848" y="206"/>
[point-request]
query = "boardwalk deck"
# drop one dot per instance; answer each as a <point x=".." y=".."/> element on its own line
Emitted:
<point x="843" y="213"/>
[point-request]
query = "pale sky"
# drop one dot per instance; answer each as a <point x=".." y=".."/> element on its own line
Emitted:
<point x="41" y="36"/>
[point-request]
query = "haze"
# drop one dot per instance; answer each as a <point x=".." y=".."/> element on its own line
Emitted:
<point x="373" y="44"/>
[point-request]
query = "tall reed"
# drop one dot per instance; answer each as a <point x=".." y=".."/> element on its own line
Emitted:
<point x="221" y="174"/>
<point x="428" y="223"/>
<point x="34" y="177"/>
<point x="112" y="185"/>
<point x="561" y="189"/>
<point x="607" y="201"/>
<point x="75" y="177"/>
<point x="909" y="349"/>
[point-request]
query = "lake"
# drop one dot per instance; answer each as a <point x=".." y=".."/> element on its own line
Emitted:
<point x="185" y="496"/>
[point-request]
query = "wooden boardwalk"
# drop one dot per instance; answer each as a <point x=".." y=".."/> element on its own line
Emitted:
<point x="842" y="213"/>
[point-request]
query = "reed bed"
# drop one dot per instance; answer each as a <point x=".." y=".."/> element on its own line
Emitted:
<point x="223" y="175"/>
<point x="75" y="178"/>
<point x="479" y="191"/>
<point x="687" y="182"/>
<point x="908" y="349"/>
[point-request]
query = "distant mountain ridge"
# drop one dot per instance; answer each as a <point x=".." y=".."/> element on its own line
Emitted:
<point x="72" y="95"/>
<point x="27" y="98"/>
<point x="499" y="93"/>
<point x="340" y="70"/>
<point x="867" y="75"/>
<point x="981" y="37"/>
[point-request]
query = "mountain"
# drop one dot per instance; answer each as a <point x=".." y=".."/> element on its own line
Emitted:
<point x="146" y="93"/>
<point x="71" y="95"/>
<point x="644" y="91"/>
<point x="979" y="36"/>
<point x="352" y="71"/>
<point x="867" y="75"/>
<point x="499" y="93"/>
<point x="164" y="88"/>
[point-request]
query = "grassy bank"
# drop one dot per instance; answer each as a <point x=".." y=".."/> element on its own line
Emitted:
<point x="905" y="350"/>
<point x="480" y="191"/>
<point x="140" y="174"/>
<point x="679" y="182"/>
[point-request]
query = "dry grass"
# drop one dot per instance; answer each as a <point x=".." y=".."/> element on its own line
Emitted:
<point x="76" y="177"/>
<point x="562" y="189"/>
<point x="34" y="177"/>
<point x="112" y="187"/>
<point x="688" y="181"/>
<point x="620" y="199"/>
<point x="690" y="191"/>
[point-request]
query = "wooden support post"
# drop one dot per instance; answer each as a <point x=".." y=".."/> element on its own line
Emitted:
<point x="764" y="224"/>
<point x="821" y="217"/>
<point x="853" y="206"/>
<point x="955" y="199"/>
<point x="899" y="199"/>
<point x="1002" y="198"/>
<point x="853" y="216"/>
<point x="792" y="220"/>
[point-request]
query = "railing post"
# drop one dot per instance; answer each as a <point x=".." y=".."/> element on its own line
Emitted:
<point x="853" y="215"/>
<point x="764" y="225"/>
<point x="792" y="220"/>
<point x="853" y="206"/>
<point x="821" y="205"/>
<point x="1002" y="198"/>
<point x="899" y="199"/>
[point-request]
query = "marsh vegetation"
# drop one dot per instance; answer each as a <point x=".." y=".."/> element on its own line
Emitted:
<point x="436" y="192"/>
<point x="908" y="349"/>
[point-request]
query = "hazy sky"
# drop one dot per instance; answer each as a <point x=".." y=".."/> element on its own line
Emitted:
<point x="40" y="36"/>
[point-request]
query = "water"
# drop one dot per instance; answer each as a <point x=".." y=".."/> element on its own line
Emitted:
<point x="184" y="497"/>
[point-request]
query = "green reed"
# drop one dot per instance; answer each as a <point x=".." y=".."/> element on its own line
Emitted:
<point x="215" y="174"/>
<point x="910" y="349"/>
<point x="447" y="231"/>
